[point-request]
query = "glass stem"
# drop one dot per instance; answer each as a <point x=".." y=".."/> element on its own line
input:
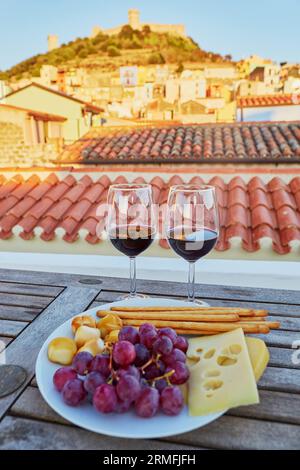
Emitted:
<point x="132" y="277"/>
<point x="191" y="282"/>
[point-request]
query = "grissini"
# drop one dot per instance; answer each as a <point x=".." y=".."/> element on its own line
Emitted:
<point x="216" y="327"/>
<point x="172" y="316"/>
<point x="248" y="312"/>
<point x="272" y="325"/>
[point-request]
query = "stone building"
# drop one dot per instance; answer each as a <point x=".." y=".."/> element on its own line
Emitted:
<point x="135" y="22"/>
<point x="29" y="137"/>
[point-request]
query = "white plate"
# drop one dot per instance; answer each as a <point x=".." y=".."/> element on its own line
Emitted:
<point x="127" y="425"/>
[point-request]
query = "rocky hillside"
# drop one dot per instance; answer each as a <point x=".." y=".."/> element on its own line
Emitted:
<point x="110" y="52"/>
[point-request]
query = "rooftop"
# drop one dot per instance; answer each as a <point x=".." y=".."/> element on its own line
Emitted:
<point x="257" y="101"/>
<point x="89" y="106"/>
<point x="256" y="215"/>
<point x="35" y="114"/>
<point x="267" y="142"/>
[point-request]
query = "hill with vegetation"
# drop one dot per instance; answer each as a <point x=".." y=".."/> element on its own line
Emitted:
<point x="129" y="47"/>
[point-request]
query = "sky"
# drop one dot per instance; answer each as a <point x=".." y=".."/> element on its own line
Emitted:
<point x="269" y="28"/>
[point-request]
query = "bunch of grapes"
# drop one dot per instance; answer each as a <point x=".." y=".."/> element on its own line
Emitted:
<point x="142" y="370"/>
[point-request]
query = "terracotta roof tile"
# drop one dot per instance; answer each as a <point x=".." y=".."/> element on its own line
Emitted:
<point x="295" y="184"/>
<point x="10" y="185"/>
<point x="22" y="207"/>
<point x="254" y="214"/>
<point x="238" y="214"/>
<point x="269" y="141"/>
<point x="283" y="198"/>
<point x="259" y="197"/>
<point x="254" y="101"/>
<point x="7" y="204"/>
<point x="261" y="215"/>
<point x="237" y="195"/>
<point x="256" y="183"/>
<point x="287" y="218"/>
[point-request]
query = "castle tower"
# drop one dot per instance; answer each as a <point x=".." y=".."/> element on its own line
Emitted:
<point x="95" y="31"/>
<point x="52" y="42"/>
<point x="134" y="18"/>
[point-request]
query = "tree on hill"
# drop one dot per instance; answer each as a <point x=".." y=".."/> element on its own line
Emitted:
<point x="156" y="58"/>
<point x="113" y="51"/>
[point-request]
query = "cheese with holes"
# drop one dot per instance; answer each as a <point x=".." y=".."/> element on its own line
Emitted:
<point x="223" y="377"/>
<point x="259" y="356"/>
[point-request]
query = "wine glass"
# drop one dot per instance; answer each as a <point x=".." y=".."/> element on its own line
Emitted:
<point x="192" y="225"/>
<point x="131" y="224"/>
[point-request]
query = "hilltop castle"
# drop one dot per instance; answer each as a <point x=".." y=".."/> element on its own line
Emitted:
<point x="135" y="23"/>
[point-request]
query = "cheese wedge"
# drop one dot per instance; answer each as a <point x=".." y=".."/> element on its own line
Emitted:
<point x="259" y="356"/>
<point x="223" y="378"/>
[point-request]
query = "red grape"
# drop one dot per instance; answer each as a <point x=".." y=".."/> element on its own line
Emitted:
<point x="73" y="392"/>
<point x="147" y="403"/>
<point x="180" y="375"/>
<point x="181" y="343"/>
<point x="82" y="362"/>
<point x="147" y="327"/>
<point x="130" y="370"/>
<point x="105" y="399"/>
<point x="124" y="353"/>
<point x="123" y="406"/>
<point x="161" y="384"/>
<point x="100" y="363"/>
<point x="128" y="388"/>
<point x="148" y="337"/>
<point x="92" y="381"/>
<point x="168" y="332"/>
<point x="129" y="333"/>
<point x="176" y="355"/>
<point x="171" y="401"/>
<point x="154" y="370"/>
<point x="163" y="345"/>
<point x="62" y="376"/>
<point x="142" y="355"/>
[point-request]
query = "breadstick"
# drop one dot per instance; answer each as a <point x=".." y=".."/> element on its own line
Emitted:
<point x="216" y="327"/>
<point x="172" y="316"/>
<point x="272" y="325"/>
<point x="201" y="310"/>
<point x="181" y="331"/>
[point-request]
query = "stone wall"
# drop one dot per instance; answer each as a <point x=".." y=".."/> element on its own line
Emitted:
<point x="14" y="151"/>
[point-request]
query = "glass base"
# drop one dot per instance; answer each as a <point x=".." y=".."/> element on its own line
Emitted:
<point x="133" y="296"/>
<point x="199" y="302"/>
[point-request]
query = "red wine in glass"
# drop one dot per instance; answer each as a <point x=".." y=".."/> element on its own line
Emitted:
<point x="194" y="246"/>
<point x="130" y="245"/>
<point x="131" y="223"/>
<point x="192" y="225"/>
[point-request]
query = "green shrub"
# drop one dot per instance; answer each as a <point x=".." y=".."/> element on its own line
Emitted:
<point x="156" y="58"/>
<point x="113" y="51"/>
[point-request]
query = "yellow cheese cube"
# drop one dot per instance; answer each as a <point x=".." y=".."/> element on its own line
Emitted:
<point x="223" y="378"/>
<point x="259" y="356"/>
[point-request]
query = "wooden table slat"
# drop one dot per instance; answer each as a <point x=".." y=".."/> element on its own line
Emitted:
<point x="273" y="406"/>
<point x="29" y="289"/>
<point x="25" y="300"/>
<point x="13" y="312"/>
<point x="17" y="433"/>
<point x="230" y="432"/>
<point x="24" y="350"/>
<point x="11" y="328"/>
<point x="6" y="339"/>
<point x="42" y="301"/>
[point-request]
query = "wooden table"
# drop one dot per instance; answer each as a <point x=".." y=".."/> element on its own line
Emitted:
<point x="33" y="304"/>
